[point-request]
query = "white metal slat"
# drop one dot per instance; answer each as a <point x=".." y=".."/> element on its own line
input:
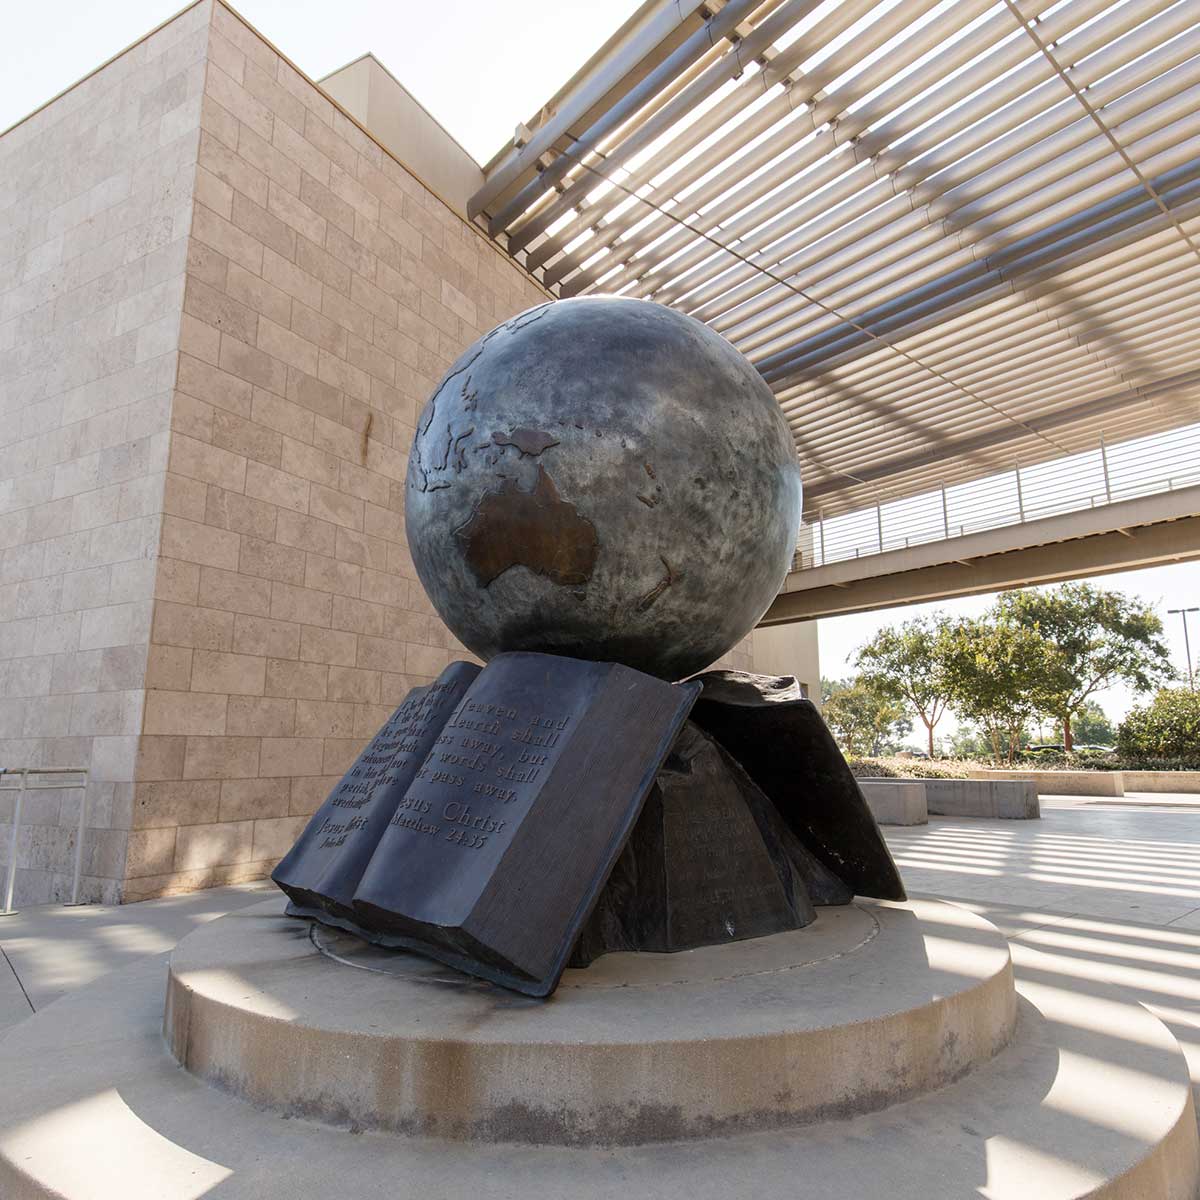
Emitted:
<point x="747" y="92"/>
<point x="719" y="26"/>
<point x="827" y="108"/>
<point x="824" y="443"/>
<point x="953" y="347"/>
<point x="942" y="398"/>
<point x="670" y="14"/>
<point x="1125" y="221"/>
<point x="1032" y="338"/>
<point x="844" y="235"/>
<point x="854" y="231"/>
<point x="703" y="198"/>
<point x="924" y="256"/>
<point x="1046" y="394"/>
<point x="1010" y="88"/>
<point x="737" y="136"/>
<point x="655" y="119"/>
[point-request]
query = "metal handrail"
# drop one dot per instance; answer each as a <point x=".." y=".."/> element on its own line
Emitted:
<point x="1090" y="479"/>
<point x="23" y="773"/>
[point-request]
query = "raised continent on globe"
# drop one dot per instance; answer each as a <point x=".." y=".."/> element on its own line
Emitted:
<point x="537" y="529"/>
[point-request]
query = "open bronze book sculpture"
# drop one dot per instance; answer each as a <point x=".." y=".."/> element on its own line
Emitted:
<point x="488" y="850"/>
<point x="558" y="803"/>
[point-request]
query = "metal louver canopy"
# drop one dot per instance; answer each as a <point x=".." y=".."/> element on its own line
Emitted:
<point x="951" y="235"/>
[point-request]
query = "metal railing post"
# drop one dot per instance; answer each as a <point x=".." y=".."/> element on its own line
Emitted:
<point x="79" y="843"/>
<point x="821" y="532"/>
<point x="1020" y="496"/>
<point x="1104" y="467"/>
<point x="945" y="514"/>
<point x="8" y="909"/>
<point x="879" y="525"/>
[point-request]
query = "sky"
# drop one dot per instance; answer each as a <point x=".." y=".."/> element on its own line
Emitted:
<point x="478" y="67"/>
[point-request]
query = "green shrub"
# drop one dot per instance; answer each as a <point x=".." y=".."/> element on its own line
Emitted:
<point x="871" y="768"/>
<point x="910" y="768"/>
<point x="1077" y="760"/>
<point x="1142" y="762"/>
<point x="917" y="768"/>
<point x="1167" y="728"/>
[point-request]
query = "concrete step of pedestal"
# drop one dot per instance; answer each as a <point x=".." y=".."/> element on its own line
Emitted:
<point x="870" y="1005"/>
<point x="1089" y="1099"/>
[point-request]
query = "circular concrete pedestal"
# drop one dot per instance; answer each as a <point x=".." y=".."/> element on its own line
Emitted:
<point x="1090" y="1100"/>
<point x="868" y="1007"/>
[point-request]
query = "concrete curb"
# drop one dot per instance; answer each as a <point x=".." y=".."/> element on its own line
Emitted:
<point x="895" y="801"/>
<point x="1014" y="800"/>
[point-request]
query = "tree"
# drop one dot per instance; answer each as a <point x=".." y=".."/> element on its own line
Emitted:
<point x="996" y="672"/>
<point x="1092" y="726"/>
<point x="1169" y="727"/>
<point x="905" y="662"/>
<point x="865" y="721"/>
<point x="968" y="742"/>
<point x="1101" y="638"/>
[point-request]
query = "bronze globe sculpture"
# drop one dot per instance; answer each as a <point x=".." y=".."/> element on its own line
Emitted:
<point x="603" y="478"/>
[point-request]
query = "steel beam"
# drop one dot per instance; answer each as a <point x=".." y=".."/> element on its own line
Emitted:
<point x="657" y="20"/>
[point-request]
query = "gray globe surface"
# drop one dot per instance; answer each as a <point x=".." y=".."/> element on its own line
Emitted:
<point x="604" y="478"/>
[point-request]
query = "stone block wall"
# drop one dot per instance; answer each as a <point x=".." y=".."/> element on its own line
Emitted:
<point x="95" y="208"/>
<point x="327" y="290"/>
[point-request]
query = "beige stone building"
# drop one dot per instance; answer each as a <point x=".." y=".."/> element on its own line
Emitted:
<point x="222" y="304"/>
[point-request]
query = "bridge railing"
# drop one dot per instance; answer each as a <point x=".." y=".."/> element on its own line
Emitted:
<point x="1093" y="478"/>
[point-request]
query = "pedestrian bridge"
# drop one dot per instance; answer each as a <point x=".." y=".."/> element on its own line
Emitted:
<point x="1117" y="508"/>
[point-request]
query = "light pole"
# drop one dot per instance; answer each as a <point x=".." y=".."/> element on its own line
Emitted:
<point x="1187" y="646"/>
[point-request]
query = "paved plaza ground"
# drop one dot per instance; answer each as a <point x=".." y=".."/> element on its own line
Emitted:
<point x="1099" y="899"/>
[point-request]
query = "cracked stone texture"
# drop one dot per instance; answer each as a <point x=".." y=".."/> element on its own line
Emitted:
<point x="603" y="478"/>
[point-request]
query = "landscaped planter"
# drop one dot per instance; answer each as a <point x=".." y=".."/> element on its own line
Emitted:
<point x="1161" y="781"/>
<point x="1099" y="783"/>
<point x="1062" y="783"/>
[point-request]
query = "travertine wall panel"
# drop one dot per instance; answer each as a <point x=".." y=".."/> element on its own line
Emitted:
<point x="326" y="292"/>
<point x="95" y="208"/>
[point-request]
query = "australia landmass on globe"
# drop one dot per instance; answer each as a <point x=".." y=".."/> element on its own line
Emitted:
<point x="537" y="529"/>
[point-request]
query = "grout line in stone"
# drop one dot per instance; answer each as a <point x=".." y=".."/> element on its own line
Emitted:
<point x="1183" y="916"/>
<point x="17" y="977"/>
